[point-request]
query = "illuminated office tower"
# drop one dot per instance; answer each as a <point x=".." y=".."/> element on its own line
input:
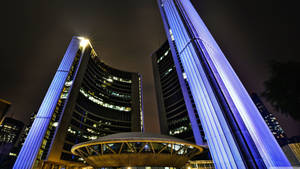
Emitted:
<point x="178" y="116"/>
<point x="87" y="99"/>
<point x="236" y="133"/>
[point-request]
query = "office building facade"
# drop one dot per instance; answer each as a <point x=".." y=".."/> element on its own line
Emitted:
<point x="236" y="133"/>
<point x="87" y="99"/>
<point x="271" y="120"/>
<point x="178" y="115"/>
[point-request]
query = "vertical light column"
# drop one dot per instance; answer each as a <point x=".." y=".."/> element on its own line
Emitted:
<point x="224" y="149"/>
<point x="219" y="138"/>
<point x="141" y="103"/>
<point x="235" y="93"/>
<point x="30" y="149"/>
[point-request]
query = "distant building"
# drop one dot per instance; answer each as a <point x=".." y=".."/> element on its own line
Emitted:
<point x="10" y="131"/>
<point x="4" y="106"/>
<point x="15" y="149"/>
<point x="271" y="120"/>
<point x="87" y="99"/>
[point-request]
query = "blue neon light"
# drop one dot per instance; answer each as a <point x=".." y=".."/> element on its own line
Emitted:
<point x="225" y="151"/>
<point x="29" y="151"/>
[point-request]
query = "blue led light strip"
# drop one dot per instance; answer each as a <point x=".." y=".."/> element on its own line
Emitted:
<point x="223" y="146"/>
<point x="213" y="129"/>
<point x="29" y="151"/>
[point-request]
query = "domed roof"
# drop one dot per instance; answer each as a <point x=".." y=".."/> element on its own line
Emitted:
<point x="137" y="149"/>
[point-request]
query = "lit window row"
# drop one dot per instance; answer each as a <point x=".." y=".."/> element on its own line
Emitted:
<point x="162" y="57"/>
<point x="178" y="130"/>
<point x="99" y="101"/>
<point x="12" y="154"/>
<point x="101" y="123"/>
<point x="9" y="127"/>
<point x="90" y="137"/>
<point x="91" y="131"/>
<point x="71" y="131"/>
<point x="120" y="95"/>
<point x="167" y="72"/>
<point x="112" y="92"/>
<point x="108" y="79"/>
<point x="111" y="78"/>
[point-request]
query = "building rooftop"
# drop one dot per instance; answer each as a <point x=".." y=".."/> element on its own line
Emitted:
<point x="136" y="136"/>
<point x="137" y="149"/>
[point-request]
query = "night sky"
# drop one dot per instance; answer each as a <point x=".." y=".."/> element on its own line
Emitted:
<point x="35" y="35"/>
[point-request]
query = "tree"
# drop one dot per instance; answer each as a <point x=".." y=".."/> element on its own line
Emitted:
<point x="282" y="89"/>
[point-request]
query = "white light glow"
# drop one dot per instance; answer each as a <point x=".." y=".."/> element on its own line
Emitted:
<point x="12" y="154"/>
<point x="83" y="42"/>
<point x="55" y="124"/>
<point x="184" y="75"/>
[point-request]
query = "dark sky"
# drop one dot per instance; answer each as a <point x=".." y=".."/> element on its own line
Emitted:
<point x="35" y="35"/>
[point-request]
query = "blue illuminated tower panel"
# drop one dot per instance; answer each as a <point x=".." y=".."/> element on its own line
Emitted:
<point x="87" y="99"/>
<point x="236" y="133"/>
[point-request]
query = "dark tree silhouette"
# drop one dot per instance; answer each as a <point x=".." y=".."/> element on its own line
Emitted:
<point x="282" y="89"/>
